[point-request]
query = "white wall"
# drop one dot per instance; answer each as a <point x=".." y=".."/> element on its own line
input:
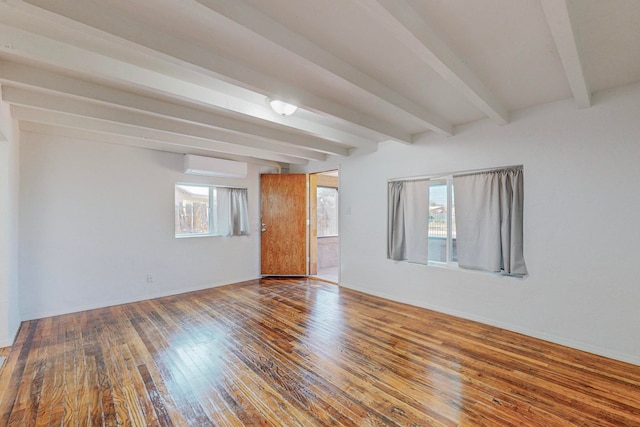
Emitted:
<point x="582" y="224"/>
<point x="96" y="218"/>
<point x="9" y="184"/>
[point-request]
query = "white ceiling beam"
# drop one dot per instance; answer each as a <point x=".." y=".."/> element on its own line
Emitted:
<point x="34" y="46"/>
<point x="241" y="133"/>
<point x="565" y="35"/>
<point x="407" y="26"/>
<point x="64" y="120"/>
<point x="81" y="110"/>
<point x="31" y="46"/>
<point x="147" y="143"/>
<point x="263" y="26"/>
<point x="100" y="22"/>
<point x="22" y="75"/>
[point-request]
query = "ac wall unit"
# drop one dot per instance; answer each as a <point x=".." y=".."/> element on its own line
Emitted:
<point x="209" y="166"/>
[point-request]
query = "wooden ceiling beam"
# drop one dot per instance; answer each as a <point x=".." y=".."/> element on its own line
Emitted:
<point x="166" y="143"/>
<point x="563" y="29"/>
<point x="403" y="22"/>
<point x="22" y="75"/>
<point x="216" y="128"/>
<point x="232" y="81"/>
<point x="82" y="109"/>
<point x="265" y="27"/>
<point x="87" y="124"/>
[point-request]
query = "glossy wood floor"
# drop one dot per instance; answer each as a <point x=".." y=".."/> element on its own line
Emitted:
<point x="300" y="353"/>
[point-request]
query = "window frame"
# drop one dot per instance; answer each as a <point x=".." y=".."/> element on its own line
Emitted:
<point x="448" y="182"/>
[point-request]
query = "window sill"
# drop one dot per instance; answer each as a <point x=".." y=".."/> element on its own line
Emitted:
<point x="454" y="266"/>
<point x="188" y="236"/>
<point x="447" y="265"/>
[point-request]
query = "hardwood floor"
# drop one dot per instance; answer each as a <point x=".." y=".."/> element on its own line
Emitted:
<point x="296" y="352"/>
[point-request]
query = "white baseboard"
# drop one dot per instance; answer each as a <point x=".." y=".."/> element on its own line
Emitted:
<point x="144" y="297"/>
<point x="600" y="351"/>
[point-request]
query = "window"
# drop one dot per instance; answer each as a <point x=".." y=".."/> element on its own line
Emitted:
<point x="442" y="221"/>
<point x="327" y="211"/>
<point x="204" y="210"/>
<point x="193" y="213"/>
<point x="486" y="232"/>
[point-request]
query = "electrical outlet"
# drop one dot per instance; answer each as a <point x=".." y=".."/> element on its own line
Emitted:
<point x="149" y="278"/>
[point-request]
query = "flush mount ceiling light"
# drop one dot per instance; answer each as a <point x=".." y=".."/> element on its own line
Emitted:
<point x="282" y="107"/>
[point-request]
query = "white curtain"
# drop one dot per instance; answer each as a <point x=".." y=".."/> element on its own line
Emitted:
<point x="489" y="221"/>
<point x="232" y="213"/>
<point x="408" y="221"/>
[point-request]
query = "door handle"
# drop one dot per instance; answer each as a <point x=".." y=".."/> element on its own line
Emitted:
<point x="264" y="227"/>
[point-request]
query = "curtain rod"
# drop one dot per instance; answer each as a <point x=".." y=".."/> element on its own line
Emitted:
<point x="459" y="173"/>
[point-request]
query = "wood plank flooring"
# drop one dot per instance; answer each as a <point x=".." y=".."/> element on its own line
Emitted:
<point x="4" y="352"/>
<point x="299" y="352"/>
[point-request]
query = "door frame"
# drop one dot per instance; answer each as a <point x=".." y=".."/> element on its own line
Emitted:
<point x="319" y="179"/>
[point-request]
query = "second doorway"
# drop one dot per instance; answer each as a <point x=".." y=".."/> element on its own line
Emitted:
<point x="324" y="234"/>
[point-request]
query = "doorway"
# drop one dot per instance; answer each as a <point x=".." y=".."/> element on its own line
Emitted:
<point x="324" y="235"/>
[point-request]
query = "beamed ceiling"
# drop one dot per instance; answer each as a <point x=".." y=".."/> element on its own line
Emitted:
<point x="195" y="76"/>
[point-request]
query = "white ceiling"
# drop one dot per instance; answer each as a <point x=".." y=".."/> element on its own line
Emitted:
<point x="194" y="76"/>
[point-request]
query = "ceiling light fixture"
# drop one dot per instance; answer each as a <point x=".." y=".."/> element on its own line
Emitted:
<point x="282" y="107"/>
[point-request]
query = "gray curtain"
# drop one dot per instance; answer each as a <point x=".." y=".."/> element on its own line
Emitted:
<point x="395" y="222"/>
<point x="489" y="221"/>
<point x="408" y="221"/>
<point x="232" y="217"/>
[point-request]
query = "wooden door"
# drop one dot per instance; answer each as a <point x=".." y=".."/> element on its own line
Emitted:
<point x="313" y="223"/>
<point x="283" y="243"/>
